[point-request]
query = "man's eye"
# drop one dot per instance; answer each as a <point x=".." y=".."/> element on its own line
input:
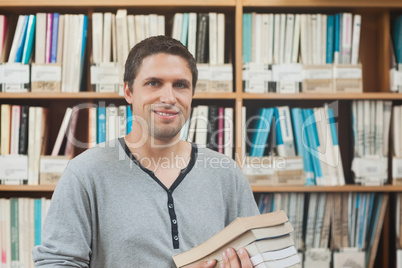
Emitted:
<point x="153" y="83"/>
<point x="181" y="85"/>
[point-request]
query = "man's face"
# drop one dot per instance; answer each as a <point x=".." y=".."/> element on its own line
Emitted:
<point x="162" y="95"/>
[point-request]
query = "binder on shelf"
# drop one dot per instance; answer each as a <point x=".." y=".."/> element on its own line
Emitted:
<point x="14" y="77"/>
<point x="318" y="258"/>
<point x="13" y="169"/>
<point x="51" y="168"/>
<point x="256" y="77"/>
<point x="221" y="78"/>
<point x="395" y="79"/>
<point x="288" y="77"/>
<point x="318" y="78"/>
<point x="396" y="171"/>
<point x="214" y="78"/>
<point x="105" y="77"/>
<point x="370" y="171"/>
<point x="348" y="78"/>
<point x="399" y="258"/>
<point x="349" y="257"/>
<point x="274" y="171"/>
<point x="46" y="77"/>
<point x="204" y="77"/>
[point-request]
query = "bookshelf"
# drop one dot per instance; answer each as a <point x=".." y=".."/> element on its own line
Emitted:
<point x="374" y="55"/>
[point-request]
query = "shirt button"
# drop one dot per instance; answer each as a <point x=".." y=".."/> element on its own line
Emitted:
<point x="176" y="237"/>
<point x="174" y="221"/>
<point x="170" y="205"/>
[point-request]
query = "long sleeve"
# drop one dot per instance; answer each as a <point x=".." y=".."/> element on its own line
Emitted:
<point x="66" y="235"/>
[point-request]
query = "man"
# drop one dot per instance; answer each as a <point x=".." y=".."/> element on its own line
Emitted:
<point x="139" y="200"/>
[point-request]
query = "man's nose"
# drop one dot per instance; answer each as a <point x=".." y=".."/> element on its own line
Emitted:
<point x="168" y="95"/>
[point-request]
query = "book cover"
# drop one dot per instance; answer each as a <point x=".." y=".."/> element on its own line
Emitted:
<point x="18" y="39"/>
<point x="40" y="38"/>
<point x="29" y="40"/>
<point x="247" y="30"/>
<point x="129" y="119"/>
<point x="54" y="37"/>
<point x="70" y="134"/>
<point x="213" y="119"/>
<point x="201" y="132"/>
<point x="228" y="139"/>
<point x="101" y="125"/>
<point x="192" y="34"/>
<point x="62" y="132"/>
<point x="15" y="128"/>
<point x="38" y="220"/>
<point x="23" y="134"/>
<point x="355" y="39"/>
<point x="336" y="38"/>
<point x="330" y="39"/>
<point x="184" y="29"/>
<point x="14" y="231"/>
<point x="220" y="129"/>
<point x="202" y="38"/>
<point x="49" y="28"/>
<point x="221" y="38"/>
<point x="5" y="126"/>
<point x="3" y="31"/>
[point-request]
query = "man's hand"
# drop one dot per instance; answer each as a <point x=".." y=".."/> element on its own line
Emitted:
<point x="231" y="259"/>
<point x="203" y="264"/>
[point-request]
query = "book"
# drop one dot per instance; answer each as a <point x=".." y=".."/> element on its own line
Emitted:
<point x="184" y="29"/>
<point x="54" y="36"/>
<point x="28" y="44"/>
<point x="17" y="43"/>
<point x="49" y="30"/>
<point x="40" y="38"/>
<point x="228" y="139"/>
<point x="247" y="29"/>
<point x="274" y="239"/>
<point x="60" y="40"/>
<point x="201" y="131"/>
<point x="15" y="128"/>
<point x="3" y="31"/>
<point x="356" y="39"/>
<point x="101" y="125"/>
<point x="107" y="37"/>
<point x="5" y="127"/>
<point x="70" y="134"/>
<point x="235" y="229"/>
<point x="23" y="133"/>
<point x="202" y="38"/>
<point x="62" y="131"/>
<point x="213" y="117"/>
<point x="192" y="33"/>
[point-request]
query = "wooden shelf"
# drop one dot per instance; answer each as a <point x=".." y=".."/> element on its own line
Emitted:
<point x="95" y="95"/>
<point x="27" y="188"/>
<point x="120" y="3"/>
<point x="324" y="3"/>
<point x="326" y="189"/>
<point x="324" y="96"/>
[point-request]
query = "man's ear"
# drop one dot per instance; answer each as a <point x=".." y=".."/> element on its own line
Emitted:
<point x="127" y="93"/>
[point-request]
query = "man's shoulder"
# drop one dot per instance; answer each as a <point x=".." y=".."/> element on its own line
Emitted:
<point x="100" y="153"/>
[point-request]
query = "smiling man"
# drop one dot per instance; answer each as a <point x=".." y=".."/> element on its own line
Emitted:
<point x="139" y="200"/>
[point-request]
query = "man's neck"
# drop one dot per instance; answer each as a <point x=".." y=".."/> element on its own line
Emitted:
<point x="151" y="153"/>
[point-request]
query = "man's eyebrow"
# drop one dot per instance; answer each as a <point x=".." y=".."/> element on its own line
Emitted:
<point x="184" y="81"/>
<point x="153" y="79"/>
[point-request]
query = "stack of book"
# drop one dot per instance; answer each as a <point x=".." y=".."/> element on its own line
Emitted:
<point x="265" y="237"/>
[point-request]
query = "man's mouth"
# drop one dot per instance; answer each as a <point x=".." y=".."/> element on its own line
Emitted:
<point x="170" y="113"/>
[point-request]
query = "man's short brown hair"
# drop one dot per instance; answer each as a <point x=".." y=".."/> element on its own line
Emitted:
<point x="155" y="45"/>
